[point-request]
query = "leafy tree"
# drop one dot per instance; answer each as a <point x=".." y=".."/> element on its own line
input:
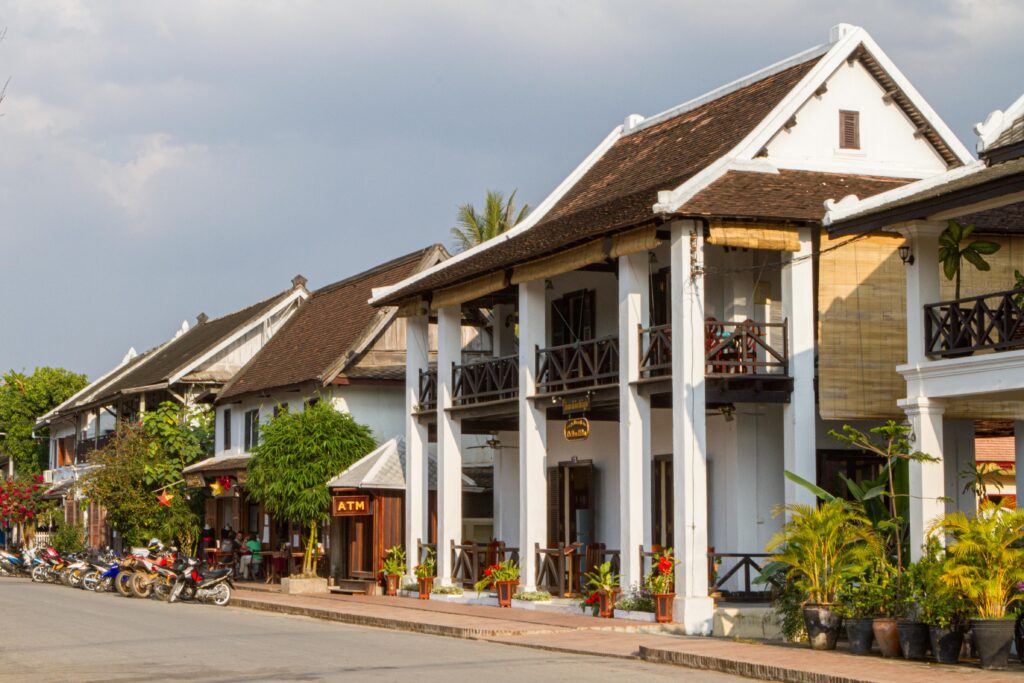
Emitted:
<point x="117" y="484"/>
<point x="22" y="503"/>
<point x="23" y="400"/>
<point x="179" y="436"/>
<point x="70" y="538"/>
<point x="953" y="252"/>
<point x="498" y="216"/>
<point x="298" y="453"/>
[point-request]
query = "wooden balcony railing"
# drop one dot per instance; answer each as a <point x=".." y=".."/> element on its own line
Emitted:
<point x="427" y="398"/>
<point x="470" y="559"/>
<point x="583" y="364"/>
<point x="989" y="322"/>
<point x="730" y="348"/>
<point x="560" y="569"/>
<point x="493" y="379"/>
<point x="723" y="567"/>
<point x="87" y="445"/>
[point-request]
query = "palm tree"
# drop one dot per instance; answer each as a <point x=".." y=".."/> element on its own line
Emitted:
<point x="952" y="252"/>
<point x="498" y="216"/>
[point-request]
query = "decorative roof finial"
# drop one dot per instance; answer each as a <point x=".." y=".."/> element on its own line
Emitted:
<point x="202" y="318"/>
<point x="299" y="281"/>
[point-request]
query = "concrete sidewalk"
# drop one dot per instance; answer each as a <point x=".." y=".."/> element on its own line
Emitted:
<point x="616" y="638"/>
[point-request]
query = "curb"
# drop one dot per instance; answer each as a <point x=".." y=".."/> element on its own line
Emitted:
<point x="769" y="672"/>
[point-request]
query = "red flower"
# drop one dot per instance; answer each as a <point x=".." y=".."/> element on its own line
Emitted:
<point x="592" y="598"/>
<point x="39" y="478"/>
<point x="665" y="565"/>
<point x="488" y="571"/>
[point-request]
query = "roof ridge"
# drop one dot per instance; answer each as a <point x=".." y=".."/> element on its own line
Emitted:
<point x="731" y="87"/>
<point x="387" y="265"/>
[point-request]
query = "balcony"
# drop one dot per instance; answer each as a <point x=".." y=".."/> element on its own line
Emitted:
<point x="975" y="324"/>
<point x="427" y="396"/>
<point x="578" y="366"/>
<point x="743" y="363"/>
<point x="485" y="381"/>
<point x="89" y="444"/>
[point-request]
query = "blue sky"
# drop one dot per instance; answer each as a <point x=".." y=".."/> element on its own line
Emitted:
<point x="162" y="159"/>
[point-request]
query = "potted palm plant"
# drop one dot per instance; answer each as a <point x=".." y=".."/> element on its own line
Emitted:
<point x="393" y="569"/>
<point x="504" y="577"/>
<point x="602" y="588"/>
<point x="985" y="563"/>
<point x="823" y="548"/>
<point x="425" y="572"/>
<point x="912" y="630"/>
<point x="659" y="585"/>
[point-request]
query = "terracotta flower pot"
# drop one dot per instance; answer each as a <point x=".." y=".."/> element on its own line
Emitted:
<point x="391" y="584"/>
<point x="887" y="636"/>
<point x="506" y="589"/>
<point x="426" y="585"/>
<point x="606" y="603"/>
<point x="663" y="607"/>
<point x="823" y="625"/>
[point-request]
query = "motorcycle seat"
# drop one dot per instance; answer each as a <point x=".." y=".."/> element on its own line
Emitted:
<point x="215" y="573"/>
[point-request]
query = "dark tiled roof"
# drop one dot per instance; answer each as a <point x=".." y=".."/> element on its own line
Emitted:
<point x="323" y="331"/>
<point x="787" y="195"/>
<point x="164" y="361"/>
<point x="1011" y="136"/>
<point x="221" y="463"/>
<point x="621" y="188"/>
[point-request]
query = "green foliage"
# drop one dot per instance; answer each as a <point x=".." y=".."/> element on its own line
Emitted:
<point x="984" y="561"/>
<point x="953" y="252"/>
<point x="602" y="579"/>
<point x="498" y="216"/>
<point x="447" y="590"/>
<point x="533" y="596"/>
<point x="178" y="437"/>
<point x="23" y="400"/>
<point x="937" y="603"/>
<point x="117" y="484"/>
<point x="506" y="570"/>
<point x="298" y="453"/>
<point x="411" y="586"/>
<point x="428" y="567"/>
<point x="69" y="538"/>
<point x="824" y="547"/>
<point x="874" y="593"/>
<point x="636" y="601"/>
<point x="978" y="476"/>
<point x="394" y="561"/>
<point x="787" y="600"/>
<point x="660" y="578"/>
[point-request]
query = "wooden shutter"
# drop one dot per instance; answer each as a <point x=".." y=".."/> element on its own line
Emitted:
<point x="588" y="319"/>
<point x="554" y="506"/>
<point x="227" y="429"/>
<point x="849" y="129"/>
<point x="559" y="323"/>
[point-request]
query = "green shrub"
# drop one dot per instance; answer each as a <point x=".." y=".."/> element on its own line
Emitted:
<point x="447" y="590"/>
<point x="533" y="596"/>
<point x="636" y="601"/>
<point x="413" y="586"/>
<point x="69" y="538"/>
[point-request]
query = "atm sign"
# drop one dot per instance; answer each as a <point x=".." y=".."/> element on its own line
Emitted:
<point x="350" y="506"/>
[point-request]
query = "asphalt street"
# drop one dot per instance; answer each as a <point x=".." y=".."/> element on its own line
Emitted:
<point x="53" y="633"/>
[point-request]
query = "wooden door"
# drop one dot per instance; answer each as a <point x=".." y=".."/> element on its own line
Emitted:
<point x="357" y="535"/>
<point x="572" y="503"/>
<point x="661" y="501"/>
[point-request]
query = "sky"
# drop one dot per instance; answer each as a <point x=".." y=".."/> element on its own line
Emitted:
<point x="165" y="159"/>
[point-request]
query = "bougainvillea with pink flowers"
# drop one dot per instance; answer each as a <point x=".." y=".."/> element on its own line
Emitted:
<point x="22" y="502"/>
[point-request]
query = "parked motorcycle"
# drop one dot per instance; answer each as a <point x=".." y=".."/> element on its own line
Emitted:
<point x="12" y="564"/>
<point x="196" y="582"/>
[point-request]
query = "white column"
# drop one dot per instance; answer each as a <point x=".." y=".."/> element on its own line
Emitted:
<point x="449" y="438"/>
<point x="416" y="359"/>
<point x="798" y="416"/>
<point x="927" y="486"/>
<point x="634" y="418"/>
<point x="533" y="433"/>
<point x="689" y="440"/>
<point x="922" y="283"/>
<point x="1018" y="464"/>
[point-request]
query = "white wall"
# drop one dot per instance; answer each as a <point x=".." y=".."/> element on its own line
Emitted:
<point x="887" y="142"/>
<point x="958" y="452"/>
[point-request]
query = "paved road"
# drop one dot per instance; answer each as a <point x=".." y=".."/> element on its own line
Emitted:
<point x="53" y="633"/>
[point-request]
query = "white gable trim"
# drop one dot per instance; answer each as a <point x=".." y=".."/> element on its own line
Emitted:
<point x="295" y="295"/>
<point x="996" y="123"/>
<point x="671" y="201"/>
<point x="535" y="216"/>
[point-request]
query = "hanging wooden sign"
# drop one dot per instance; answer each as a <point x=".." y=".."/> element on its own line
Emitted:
<point x="195" y="480"/>
<point x="350" y="506"/>
<point x="576" y="429"/>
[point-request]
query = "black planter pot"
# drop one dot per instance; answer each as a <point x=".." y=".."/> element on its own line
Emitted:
<point x="992" y="638"/>
<point x="823" y="626"/>
<point x="861" y="634"/>
<point x="947" y="641"/>
<point x="913" y="638"/>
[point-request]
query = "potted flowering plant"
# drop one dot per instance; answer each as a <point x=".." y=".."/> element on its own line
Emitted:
<point x="394" y="567"/>
<point x="504" y="577"/>
<point x="425" y="572"/>
<point x="602" y="588"/>
<point x="659" y="583"/>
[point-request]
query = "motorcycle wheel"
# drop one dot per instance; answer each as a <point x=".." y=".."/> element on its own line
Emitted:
<point x="75" y="578"/>
<point x="142" y="587"/>
<point x="91" y="580"/>
<point x="123" y="583"/>
<point x="39" y="573"/>
<point x="162" y="589"/>
<point x="221" y="594"/>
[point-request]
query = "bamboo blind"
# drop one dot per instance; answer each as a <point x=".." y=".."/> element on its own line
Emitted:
<point x="642" y="239"/>
<point x="862" y="329"/>
<point x="754" y="236"/>
<point x="569" y="260"/>
<point x="467" y="291"/>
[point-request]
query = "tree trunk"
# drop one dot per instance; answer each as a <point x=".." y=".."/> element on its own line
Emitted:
<point x="308" y="560"/>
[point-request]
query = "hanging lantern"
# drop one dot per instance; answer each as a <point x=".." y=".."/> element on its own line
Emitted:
<point x="216" y="487"/>
<point x="165" y="499"/>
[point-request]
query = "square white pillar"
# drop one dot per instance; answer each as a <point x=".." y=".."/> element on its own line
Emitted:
<point x="449" y="438"/>
<point x="798" y="416"/>
<point x="416" y="359"/>
<point x="922" y="282"/>
<point x="927" y="484"/>
<point x="533" y="433"/>
<point x="694" y="608"/>
<point x="634" y="418"/>
<point x="1018" y="460"/>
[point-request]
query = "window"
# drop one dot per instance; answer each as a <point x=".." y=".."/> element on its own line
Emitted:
<point x="572" y="318"/>
<point x="311" y="402"/>
<point x="849" y="129"/>
<point x="227" y="429"/>
<point x="251" y="430"/>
